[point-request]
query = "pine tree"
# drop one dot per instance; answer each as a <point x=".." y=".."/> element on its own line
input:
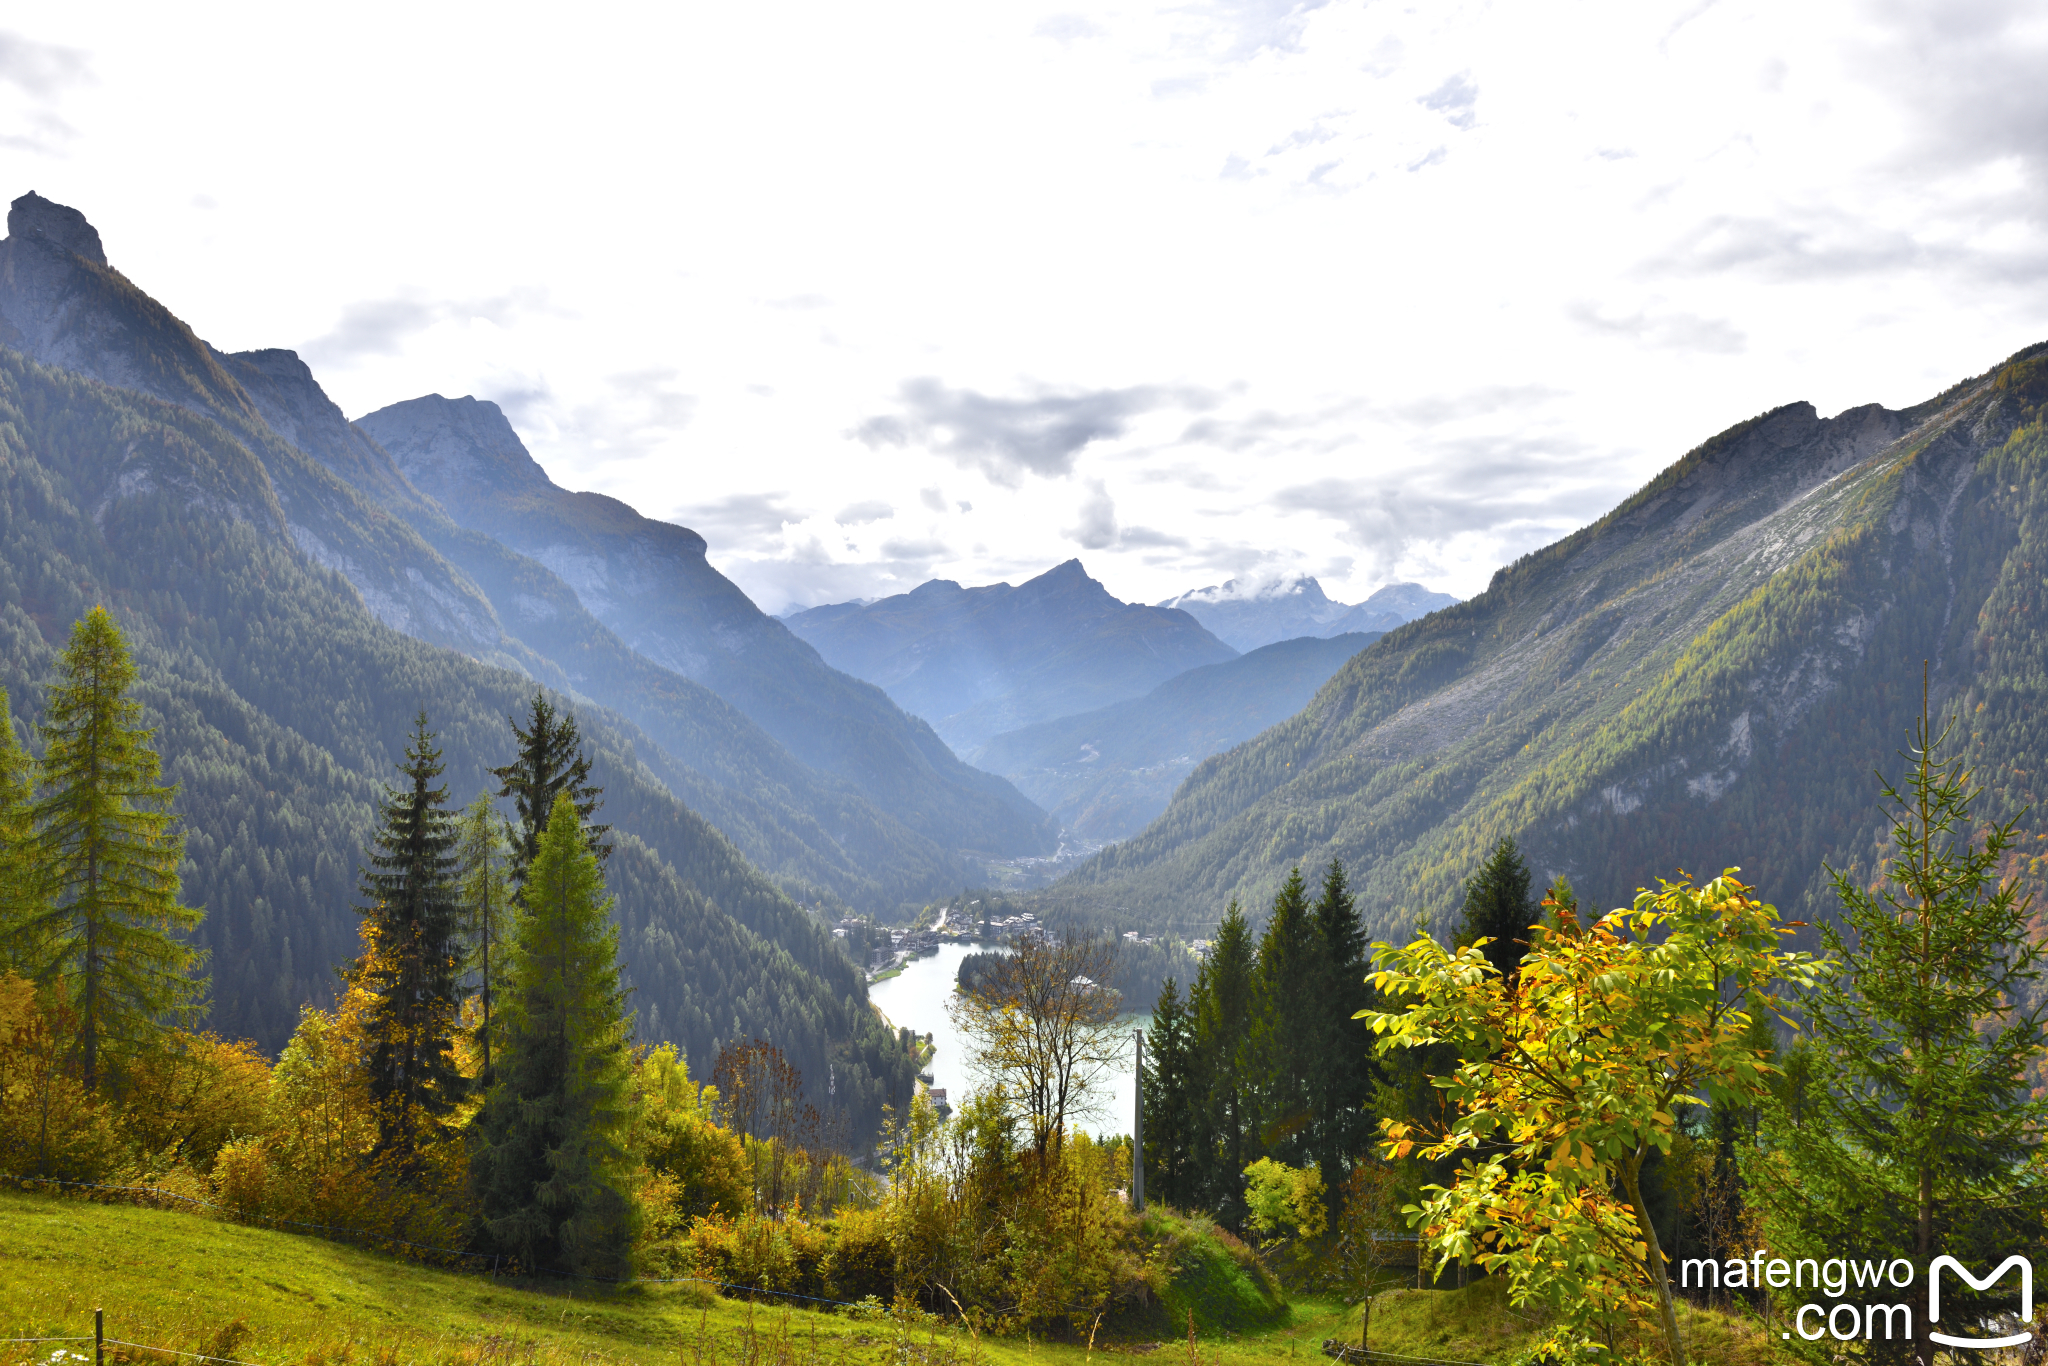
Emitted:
<point x="415" y="927"/>
<point x="1171" y="1136"/>
<point x="23" y="896"/>
<point x="1285" y="1013"/>
<point x="1221" y="1003"/>
<point x="109" y="848"/>
<point x="1497" y="907"/>
<point x="1920" y="1131"/>
<point x="486" y="908"/>
<point x="1341" y="1071"/>
<point x="550" y="1160"/>
<point x="551" y="761"/>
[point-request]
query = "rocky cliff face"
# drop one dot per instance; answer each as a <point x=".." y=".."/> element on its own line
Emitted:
<point x="63" y="305"/>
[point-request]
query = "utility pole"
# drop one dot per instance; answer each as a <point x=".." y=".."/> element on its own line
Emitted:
<point x="1138" y="1130"/>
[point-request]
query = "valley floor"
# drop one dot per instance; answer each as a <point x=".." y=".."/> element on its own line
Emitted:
<point x="213" y="1289"/>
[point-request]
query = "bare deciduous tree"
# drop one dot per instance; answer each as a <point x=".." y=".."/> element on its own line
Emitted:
<point x="1042" y="1023"/>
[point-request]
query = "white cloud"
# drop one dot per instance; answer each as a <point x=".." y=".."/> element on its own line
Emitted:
<point x="1216" y="288"/>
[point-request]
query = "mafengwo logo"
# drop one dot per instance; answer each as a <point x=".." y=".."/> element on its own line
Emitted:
<point x="1846" y="1321"/>
<point x="2026" y="1299"/>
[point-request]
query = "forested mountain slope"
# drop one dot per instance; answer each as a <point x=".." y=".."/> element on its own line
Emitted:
<point x="649" y="582"/>
<point x="282" y="700"/>
<point x="280" y="705"/>
<point x="980" y="661"/>
<point x="1707" y="676"/>
<point x="349" y="507"/>
<point x="1107" y="773"/>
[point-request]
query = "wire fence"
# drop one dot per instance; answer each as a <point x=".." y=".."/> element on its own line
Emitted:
<point x="100" y="1342"/>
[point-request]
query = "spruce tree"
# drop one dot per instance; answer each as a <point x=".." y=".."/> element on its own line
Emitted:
<point x="413" y="968"/>
<point x="551" y="761"/>
<point x="23" y="896"/>
<point x="1341" y="1071"/>
<point x="1918" y="1131"/>
<point x="1497" y="907"/>
<point x="486" y="895"/>
<point x="1221" y="1003"/>
<point x="1171" y="1135"/>
<point x="549" y="1156"/>
<point x="109" y="849"/>
<point x="1285" y="1013"/>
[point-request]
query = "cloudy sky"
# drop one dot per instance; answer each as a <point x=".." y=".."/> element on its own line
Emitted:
<point x="870" y="294"/>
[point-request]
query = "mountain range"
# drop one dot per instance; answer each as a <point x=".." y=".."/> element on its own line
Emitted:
<point x="1246" y="616"/>
<point x="1705" y="677"/>
<point x="976" y="662"/>
<point x="1108" y="773"/>
<point x="293" y="599"/>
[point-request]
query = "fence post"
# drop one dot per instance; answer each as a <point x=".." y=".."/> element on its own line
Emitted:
<point x="99" y="1337"/>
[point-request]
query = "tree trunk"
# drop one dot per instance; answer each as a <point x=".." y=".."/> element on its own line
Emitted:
<point x="1631" y="1173"/>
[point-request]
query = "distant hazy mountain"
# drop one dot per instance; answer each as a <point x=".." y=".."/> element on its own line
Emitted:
<point x="286" y="629"/>
<point x="1107" y="773"/>
<point x="1704" y="677"/>
<point x="976" y="662"/>
<point x="650" y="583"/>
<point x="1248" y="615"/>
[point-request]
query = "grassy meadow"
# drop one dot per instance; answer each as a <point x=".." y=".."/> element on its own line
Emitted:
<point x="198" y="1285"/>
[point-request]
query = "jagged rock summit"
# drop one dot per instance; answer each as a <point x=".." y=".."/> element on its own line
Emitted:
<point x="58" y="224"/>
<point x="454" y="449"/>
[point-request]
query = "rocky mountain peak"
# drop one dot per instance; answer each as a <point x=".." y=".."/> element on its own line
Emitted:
<point x="58" y="224"/>
<point x="452" y="447"/>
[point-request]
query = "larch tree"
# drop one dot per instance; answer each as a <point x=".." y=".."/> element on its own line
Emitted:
<point x="550" y="1159"/>
<point x="23" y="895"/>
<point x="412" y="966"/>
<point x="108" y="936"/>
<point x="486" y="896"/>
<point x="550" y="762"/>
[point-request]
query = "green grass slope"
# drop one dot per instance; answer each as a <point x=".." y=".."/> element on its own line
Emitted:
<point x="176" y="1281"/>
<point x="1108" y="773"/>
<point x="1706" y="676"/>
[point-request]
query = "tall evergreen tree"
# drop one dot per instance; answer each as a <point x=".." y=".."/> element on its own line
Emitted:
<point x="1497" y="907"/>
<point x="549" y="1159"/>
<point x="551" y="761"/>
<point x="1921" y="1132"/>
<point x="1171" y="1135"/>
<point x="1221" y="1002"/>
<point x="1285" y="1016"/>
<point x="486" y="894"/>
<point x="23" y="896"/>
<point x="109" y="847"/>
<point x="413" y="968"/>
<point x="1341" y="1072"/>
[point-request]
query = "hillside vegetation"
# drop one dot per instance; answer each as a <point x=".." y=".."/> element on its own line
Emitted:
<point x="1703" y="677"/>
